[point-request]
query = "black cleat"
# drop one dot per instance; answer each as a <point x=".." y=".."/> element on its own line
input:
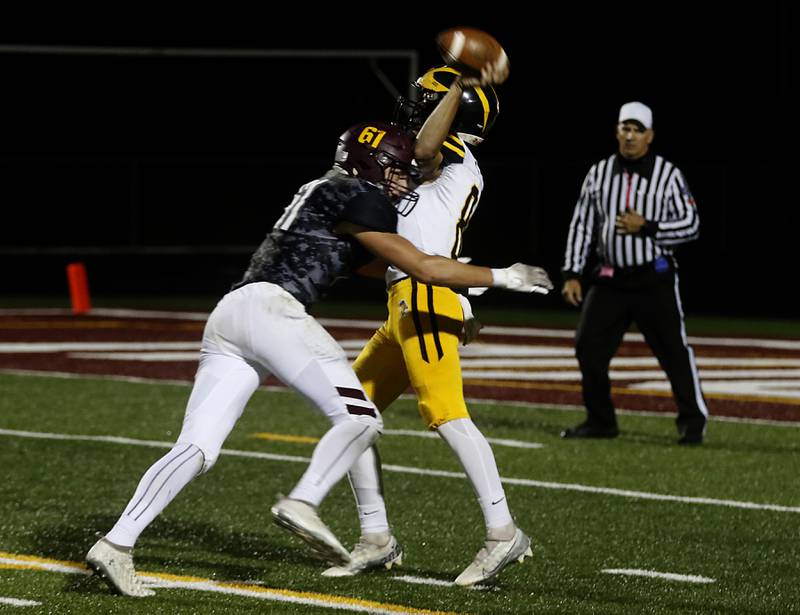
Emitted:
<point x="585" y="430"/>
<point x="691" y="438"/>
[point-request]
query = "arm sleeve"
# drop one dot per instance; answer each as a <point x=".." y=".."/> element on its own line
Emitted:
<point x="579" y="237"/>
<point x="371" y="210"/>
<point x="682" y="223"/>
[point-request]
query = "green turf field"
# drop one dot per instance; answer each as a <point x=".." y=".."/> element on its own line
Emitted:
<point x="55" y="493"/>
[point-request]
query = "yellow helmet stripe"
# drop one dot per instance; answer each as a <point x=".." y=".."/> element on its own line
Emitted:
<point x="429" y="82"/>
<point x="485" y="102"/>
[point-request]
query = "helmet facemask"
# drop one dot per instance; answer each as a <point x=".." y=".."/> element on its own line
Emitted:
<point x="399" y="182"/>
<point x="411" y="114"/>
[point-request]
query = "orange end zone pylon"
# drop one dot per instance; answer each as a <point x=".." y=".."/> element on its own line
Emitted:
<point x="78" y="288"/>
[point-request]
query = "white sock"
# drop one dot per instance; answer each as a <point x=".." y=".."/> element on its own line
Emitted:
<point x="334" y="454"/>
<point x="477" y="459"/>
<point x="367" y="484"/>
<point x="159" y="485"/>
<point x="496" y="535"/>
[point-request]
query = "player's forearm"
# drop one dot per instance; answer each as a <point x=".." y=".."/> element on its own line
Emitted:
<point x="442" y="271"/>
<point x="424" y="267"/>
<point x="437" y="126"/>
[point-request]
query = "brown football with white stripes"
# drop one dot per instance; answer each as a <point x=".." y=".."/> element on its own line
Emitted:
<point x="469" y="49"/>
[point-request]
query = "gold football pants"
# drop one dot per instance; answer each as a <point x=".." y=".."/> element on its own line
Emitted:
<point x="417" y="345"/>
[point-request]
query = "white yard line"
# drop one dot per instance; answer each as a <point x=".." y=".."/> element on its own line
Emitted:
<point x="479" y="356"/>
<point x="349" y="323"/>
<point x="434" y="436"/>
<point x="422" y="581"/>
<point x="112" y="312"/>
<point x="46" y="347"/>
<point x="437" y="582"/>
<point x="669" y="576"/>
<point x="19" y="602"/>
<point x="641" y="495"/>
<point x="470" y="400"/>
<point x="148" y="357"/>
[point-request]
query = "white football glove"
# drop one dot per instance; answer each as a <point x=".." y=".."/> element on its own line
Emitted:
<point x="472" y="325"/>
<point x="522" y="278"/>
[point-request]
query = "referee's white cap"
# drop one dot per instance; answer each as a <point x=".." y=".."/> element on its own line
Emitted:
<point x="636" y="111"/>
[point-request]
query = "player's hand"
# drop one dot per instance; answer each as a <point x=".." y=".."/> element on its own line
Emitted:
<point x="472" y="325"/>
<point x="472" y="328"/>
<point x="629" y="223"/>
<point x="493" y="73"/>
<point x="522" y="278"/>
<point x="572" y="292"/>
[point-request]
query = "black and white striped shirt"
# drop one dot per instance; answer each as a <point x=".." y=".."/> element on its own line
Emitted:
<point x="651" y="186"/>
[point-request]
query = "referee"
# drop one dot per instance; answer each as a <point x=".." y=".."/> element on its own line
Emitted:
<point x="634" y="207"/>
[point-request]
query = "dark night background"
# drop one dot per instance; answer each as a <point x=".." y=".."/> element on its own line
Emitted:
<point x="162" y="173"/>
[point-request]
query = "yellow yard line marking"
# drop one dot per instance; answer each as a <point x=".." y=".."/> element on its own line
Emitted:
<point x="366" y="604"/>
<point x="35" y="559"/>
<point x="19" y="567"/>
<point x="278" y="437"/>
<point x="31" y="562"/>
<point x="281" y="437"/>
<point x="166" y="576"/>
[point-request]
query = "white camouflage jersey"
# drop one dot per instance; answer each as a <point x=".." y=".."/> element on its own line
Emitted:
<point x="446" y="205"/>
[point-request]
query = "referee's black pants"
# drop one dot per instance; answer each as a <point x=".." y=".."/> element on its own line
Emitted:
<point x="651" y="301"/>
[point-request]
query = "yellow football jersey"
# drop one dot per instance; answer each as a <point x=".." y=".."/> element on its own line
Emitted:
<point x="418" y="344"/>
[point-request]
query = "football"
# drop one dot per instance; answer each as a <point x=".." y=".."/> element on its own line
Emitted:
<point x="469" y="49"/>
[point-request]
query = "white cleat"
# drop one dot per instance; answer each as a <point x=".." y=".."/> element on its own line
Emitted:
<point x="366" y="556"/>
<point x="302" y="520"/>
<point x="488" y="564"/>
<point x="116" y="566"/>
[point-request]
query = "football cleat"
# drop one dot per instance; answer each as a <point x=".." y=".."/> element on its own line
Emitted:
<point x="488" y="564"/>
<point x="302" y="520"/>
<point x="115" y="565"/>
<point x="366" y="556"/>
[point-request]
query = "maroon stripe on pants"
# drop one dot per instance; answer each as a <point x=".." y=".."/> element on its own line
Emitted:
<point x="353" y="393"/>
<point x="360" y="410"/>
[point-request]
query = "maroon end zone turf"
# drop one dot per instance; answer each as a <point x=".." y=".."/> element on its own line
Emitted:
<point x="34" y="329"/>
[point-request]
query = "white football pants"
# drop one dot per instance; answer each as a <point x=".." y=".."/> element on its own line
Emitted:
<point x="254" y="330"/>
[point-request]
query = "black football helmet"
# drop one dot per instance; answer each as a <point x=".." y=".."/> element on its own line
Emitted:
<point x="477" y="110"/>
<point x="382" y="154"/>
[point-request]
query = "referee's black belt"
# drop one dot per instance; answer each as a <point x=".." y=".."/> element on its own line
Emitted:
<point x="660" y="265"/>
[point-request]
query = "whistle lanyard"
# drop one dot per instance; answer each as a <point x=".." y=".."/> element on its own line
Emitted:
<point x="628" y="190"/>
